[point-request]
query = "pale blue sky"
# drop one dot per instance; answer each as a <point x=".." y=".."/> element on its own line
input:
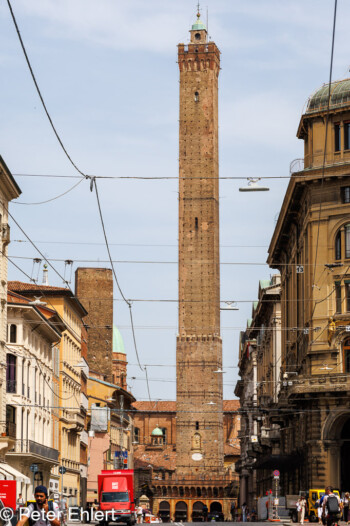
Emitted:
<point x="108" y="73"/>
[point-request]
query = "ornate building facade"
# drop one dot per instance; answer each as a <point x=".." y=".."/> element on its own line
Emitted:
<point x="311" y="249"/>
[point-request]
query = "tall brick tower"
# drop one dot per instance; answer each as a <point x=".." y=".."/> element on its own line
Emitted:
<point x="94" y="288"/>
<point x="199" y="447"/>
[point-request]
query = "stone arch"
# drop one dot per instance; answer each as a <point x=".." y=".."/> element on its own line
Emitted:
<point x="164" y="511"/>
<point x="181" y="511"/>
<point x="175" y="491"/>
<point x="199" y="492"/>
<point x="204" y="493"/>
<point x="193" y="492"/>
<point x="164" y="491"/>
<point x="210" y="493"/>
<point x="187" y="491"/>
<point x="336" y="440"/>
<point x="215" y="506"/>
<point x="197" y="511"/>
<point x="215" y="492"/>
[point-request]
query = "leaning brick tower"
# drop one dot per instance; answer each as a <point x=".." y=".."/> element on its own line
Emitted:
<point x="199" y="447"/>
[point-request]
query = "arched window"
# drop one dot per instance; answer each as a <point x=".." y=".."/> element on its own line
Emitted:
<point x="196" y="97"/>
<point x="346" y="355"/>
<point x="338" y="245"/>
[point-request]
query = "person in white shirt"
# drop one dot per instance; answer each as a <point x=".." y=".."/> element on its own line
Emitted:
<point x="139" y="514"/>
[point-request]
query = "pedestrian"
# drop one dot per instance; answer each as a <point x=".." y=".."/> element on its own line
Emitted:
<point x="43" y="506"/>
<point x="302" y="503"/>
<point x="346" y="502"/>
<point x="244" y="512"/>
<point x="233" y="510"/>
<point x="205" y="513"/>
<point x="298" y="508"/>
<point x="331" y="504"/>
<point x="318" y="505"/>
<point x="19" y="504"/>
<point x="139" y="514"/>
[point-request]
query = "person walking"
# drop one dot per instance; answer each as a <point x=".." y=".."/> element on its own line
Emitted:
<point x="302" y="503"/>
<point x="139" y="514"/>
<point x="233" y="510"/>
<point x="244" y="512"/>
<point x="346" y="502"/>
<point x="298" y="508"/>
<point x="331" y="504"/>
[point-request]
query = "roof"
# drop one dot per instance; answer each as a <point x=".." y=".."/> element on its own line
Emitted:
<point x="264" y="283"/>
<point x="198" y="25"/>
<point x="169" y="406"/>
<point x="15" y="191"/>
<point x="163" y="458"/>
<point x="231" y="450"/>
<point x="340" y="96"/>
<point x="32" y="289"/>
<point x="157" y="432"/>
<point x="115" y="386"/>
<point x="118" y="343"/>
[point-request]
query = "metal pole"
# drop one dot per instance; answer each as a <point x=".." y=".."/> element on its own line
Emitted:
<point x="121" y="434"/>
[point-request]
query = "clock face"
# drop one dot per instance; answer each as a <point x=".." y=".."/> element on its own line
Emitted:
<point x="197" y="456"/>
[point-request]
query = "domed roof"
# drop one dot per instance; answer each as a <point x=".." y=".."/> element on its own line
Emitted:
<point x="340" y="96"/>
<point x="118" y="344"/>
<point x="157" y="432"/>
<point x="198" y="25"/>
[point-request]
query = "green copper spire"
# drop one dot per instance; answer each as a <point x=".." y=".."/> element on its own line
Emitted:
<point x="198" y="25"/>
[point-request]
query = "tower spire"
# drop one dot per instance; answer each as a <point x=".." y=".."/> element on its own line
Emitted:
<point x="198" y="10"/>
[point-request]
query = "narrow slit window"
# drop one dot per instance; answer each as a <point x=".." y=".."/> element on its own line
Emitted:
<point x="347" y="296"/>
<point x="338" y="246"/>
<point x="338" y="297"/>
<point x="196" y="223"/>
<point x="196" y="96"/>
<point x="337" y="137"/>
<point x="346" y="135"/>
<point x="197" y="426"/>
<point x="345" y="194"/>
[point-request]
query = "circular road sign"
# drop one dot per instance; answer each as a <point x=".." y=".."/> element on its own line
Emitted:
<point x="62" y="470"/>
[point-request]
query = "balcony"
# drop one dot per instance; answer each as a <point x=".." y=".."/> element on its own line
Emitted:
<point x="34" y="449"/>
<point x="74" y="420"/>
<point x="339" y="382"/>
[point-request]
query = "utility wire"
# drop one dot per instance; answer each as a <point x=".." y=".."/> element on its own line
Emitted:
<point x="53" y="198"/>
<point x="128" y="302"/>
<point x="39" y="92"/>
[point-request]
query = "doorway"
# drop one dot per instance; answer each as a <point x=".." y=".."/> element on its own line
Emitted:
<point x="345" y="457"/>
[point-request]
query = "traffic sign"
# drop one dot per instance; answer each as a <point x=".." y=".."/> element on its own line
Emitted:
<point x="62" y="470"/>
<point x="276" y="474"/>
<point x="34" y="467"/>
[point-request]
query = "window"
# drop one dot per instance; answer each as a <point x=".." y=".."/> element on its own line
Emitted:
<point x="197" y="426"/>
<point x="338" y="245"/>
<point x="337" y="297"/>
<point x="136" y="435"/>
<point x="13" y="333"/>
<point x="196" y="97"/>
<point x="346" y="135"/>
<point x="11" y="376"/>
<point x="164" y="429"/>
<point x="337" y="137"/>
<point x="197" y="36"/>
<point x="345" y="194"/>
<point x="196" y="223"/>
<point x="347" y="241"/>
<point x="346" y="355"/>
<point x="347" y="295"/>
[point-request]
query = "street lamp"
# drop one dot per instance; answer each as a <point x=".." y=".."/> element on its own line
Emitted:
<point x="253" y="186"/>
<point x="229" y="305"/>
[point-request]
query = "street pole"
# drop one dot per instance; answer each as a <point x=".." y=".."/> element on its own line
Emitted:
<point x="121" y="434"/>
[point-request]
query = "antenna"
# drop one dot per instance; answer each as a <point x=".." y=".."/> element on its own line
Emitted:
<point x="207" y="25"/>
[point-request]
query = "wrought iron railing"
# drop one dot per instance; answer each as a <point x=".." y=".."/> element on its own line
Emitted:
<point x="29" y="446"/>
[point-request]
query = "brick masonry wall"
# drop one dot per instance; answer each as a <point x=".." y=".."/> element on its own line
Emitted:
<point x="94" y="288"/>
<point x="199" y="442"/>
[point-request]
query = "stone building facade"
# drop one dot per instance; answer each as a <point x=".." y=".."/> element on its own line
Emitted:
<point x="258" y="390"/>
<point x="311" y="249"/>
<point x="71" y="414"/>
<point x="9" y="190"/>
<point x="155" y="451"/>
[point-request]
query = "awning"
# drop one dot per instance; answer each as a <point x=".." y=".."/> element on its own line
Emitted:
<point x="13" y="474"/>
